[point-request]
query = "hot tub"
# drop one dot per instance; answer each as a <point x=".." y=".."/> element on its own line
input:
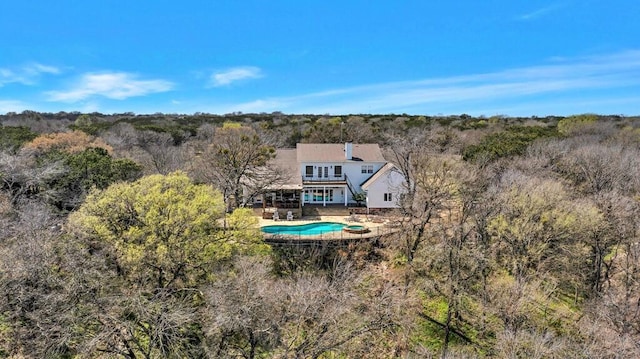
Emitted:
<point x="356" y="228"/>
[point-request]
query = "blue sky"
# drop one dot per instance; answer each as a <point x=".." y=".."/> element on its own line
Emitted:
<point x="490" y="57"/>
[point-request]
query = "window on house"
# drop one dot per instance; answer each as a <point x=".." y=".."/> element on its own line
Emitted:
<point x="388" y="197"/>
<point x="337" y="171"/>
<point x="308" y="171"/>
<point x="367" y="169"/>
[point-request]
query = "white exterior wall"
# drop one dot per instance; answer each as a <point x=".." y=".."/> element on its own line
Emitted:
<point x="391" y="182"/>
<point x="353" y="170"/>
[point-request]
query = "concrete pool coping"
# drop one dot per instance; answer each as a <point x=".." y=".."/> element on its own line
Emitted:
<point x="376" y="228"/>
<point x="337" y="219"/>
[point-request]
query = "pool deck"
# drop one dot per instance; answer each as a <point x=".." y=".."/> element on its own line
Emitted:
<point x="377" y="228"/>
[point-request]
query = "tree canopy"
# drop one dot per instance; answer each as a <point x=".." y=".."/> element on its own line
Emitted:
<point x="162" y="229"/>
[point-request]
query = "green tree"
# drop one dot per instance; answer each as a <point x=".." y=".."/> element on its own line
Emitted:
<point x="573" y="124"/>
<point x="360" y="197"/>
<point x="510" y="142"/>
<point x="163" y="240"/>
<point x="83" y="120"/>
<point x="13" y="137"/>
<point x="93" y="167"/>
<point x="163" y="230"/>
<point x="326" y="130"/>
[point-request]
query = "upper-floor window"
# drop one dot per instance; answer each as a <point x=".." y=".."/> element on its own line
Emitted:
<point x="308" y="171"/>
<point x="388" y="197"/>
<point x="337" y="171"/>
<point x="367" y="169"/>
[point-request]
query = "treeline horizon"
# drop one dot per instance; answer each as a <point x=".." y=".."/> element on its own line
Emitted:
<point x="301" y="127"/>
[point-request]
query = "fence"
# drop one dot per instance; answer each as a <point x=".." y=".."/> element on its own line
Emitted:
<point x="334" y="235"/>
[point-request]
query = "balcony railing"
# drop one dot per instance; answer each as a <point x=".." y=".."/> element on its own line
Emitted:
<point x="330" y="178"/>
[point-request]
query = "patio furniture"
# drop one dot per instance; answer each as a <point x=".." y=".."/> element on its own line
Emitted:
<point x="353" y="218"/>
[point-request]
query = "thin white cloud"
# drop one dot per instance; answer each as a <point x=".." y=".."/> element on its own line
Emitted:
<point x="112" y="85"/>
<point x="228" y="76"/>
<point x="566" y="77"/>
<point x="565" y="106"/>
<point x="36" y="69"/>
<point x="535" y="14"/>
<point x="27" y="74"/>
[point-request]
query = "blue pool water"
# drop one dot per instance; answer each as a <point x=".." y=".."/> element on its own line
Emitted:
<point x="304" y="229"/>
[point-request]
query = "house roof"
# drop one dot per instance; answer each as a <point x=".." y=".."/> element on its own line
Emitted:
<point x="376" y="176"/>
<point x="288" y="165"/>
<point x="334" y="152"/>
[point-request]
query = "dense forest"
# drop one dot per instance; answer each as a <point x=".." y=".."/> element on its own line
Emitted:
<point x="122" y="236"/>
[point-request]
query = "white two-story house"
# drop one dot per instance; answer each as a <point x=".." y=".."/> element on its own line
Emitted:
<point x="335" y="174"/>
<point x="332" y="173"/>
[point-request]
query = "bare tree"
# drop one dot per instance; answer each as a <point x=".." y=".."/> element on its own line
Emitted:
<point x="339" y="315"/>
<point x="31" y="288"/>
<point x="246" y="311"/>
<point x="430" y="182"/>
<point x="598" y="167"/>
<point x="357" y="129"/>
<point x="456" y="250"/>
<point x="531" y="222"/>
<point x="121" y="136"/>
<point x="131" y="324"/>
<point x="600" y="336"/>
<point x="252" y="313"/>
<point x="23" y="176"/>
<point x="236" y="161"/>
<point x="159" y="154"/>
<point x="531" y="344"/>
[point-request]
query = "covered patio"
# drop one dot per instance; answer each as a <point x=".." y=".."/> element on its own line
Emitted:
<point x="282" y="200"/>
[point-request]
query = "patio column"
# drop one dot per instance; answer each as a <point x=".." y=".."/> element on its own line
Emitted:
<point x="324" y="196"/>
<point x="345" y="195"/>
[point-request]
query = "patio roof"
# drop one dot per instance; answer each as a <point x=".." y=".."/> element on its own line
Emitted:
<point x="286" y="162"/>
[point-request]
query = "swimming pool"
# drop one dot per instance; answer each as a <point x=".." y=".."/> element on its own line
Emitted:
<point x="304" y="229"/>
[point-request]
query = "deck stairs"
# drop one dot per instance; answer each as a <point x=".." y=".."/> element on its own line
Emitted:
<point x="350" y="185"/>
